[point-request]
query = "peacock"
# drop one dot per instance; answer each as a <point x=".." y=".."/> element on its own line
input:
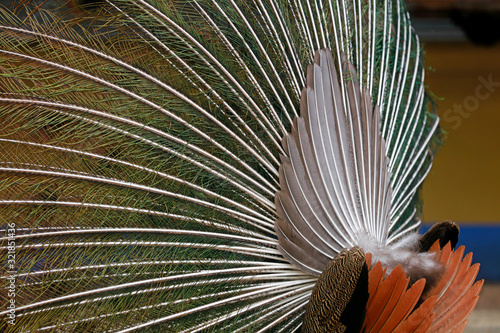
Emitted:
<point x="221" y="166"/>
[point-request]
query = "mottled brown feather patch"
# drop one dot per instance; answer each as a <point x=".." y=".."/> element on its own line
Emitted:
<point x="333" y="291"/>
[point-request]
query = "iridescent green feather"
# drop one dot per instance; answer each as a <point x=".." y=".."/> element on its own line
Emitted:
<point x="139" y="155"/>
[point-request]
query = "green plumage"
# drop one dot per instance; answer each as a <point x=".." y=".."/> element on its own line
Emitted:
<point x="140" y="146"/>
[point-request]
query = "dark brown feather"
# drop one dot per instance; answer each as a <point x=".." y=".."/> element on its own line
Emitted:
<point x="445" y="232"/>
<point x="339" y="298"/>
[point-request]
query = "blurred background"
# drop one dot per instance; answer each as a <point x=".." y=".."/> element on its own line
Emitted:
<point x="462" y="55"/>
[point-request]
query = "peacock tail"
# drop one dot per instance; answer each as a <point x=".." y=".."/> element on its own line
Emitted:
<point x="165" y="166"/>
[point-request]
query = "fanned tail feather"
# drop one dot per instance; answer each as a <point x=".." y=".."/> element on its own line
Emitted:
<point x="148" y="173"/>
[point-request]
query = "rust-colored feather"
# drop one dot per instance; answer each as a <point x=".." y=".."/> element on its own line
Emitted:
<point x="453" y="316"/>
<point x="457" y="295"/>
<point x="368" y="260"/>
<point x="374" y="278"/>
<point x="462" y="281"/>
<point x="404" y="307"/>
<point x="460" y="328"/>
<point x="451" y="261"/>
<point x="385" y="298"/>
<point x="390" y="301"/>
<point x="420" y="320"/>
<point x="392" y="307"/>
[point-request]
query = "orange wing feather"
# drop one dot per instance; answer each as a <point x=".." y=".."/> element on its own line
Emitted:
<point x="391" y="291"/>
<point x="457" y="292"/>
<point x="381" y="297"/>
<point x="375" y="276"/>
<point x="445" y="308"/>
<point x="404" y="307"/>
<point x="390" y="301"/>
<point x="420" y="320"/>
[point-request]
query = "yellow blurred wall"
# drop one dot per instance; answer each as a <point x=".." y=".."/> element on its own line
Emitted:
<point x="464" y="183"/>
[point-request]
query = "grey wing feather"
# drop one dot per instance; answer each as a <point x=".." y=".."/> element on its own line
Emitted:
<point x="335" y="179"/>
